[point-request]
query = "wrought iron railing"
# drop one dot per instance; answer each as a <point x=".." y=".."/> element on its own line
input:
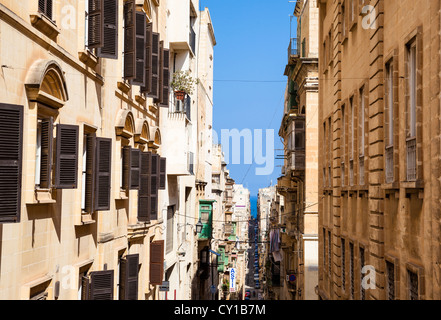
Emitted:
<point x="294" y="48"/>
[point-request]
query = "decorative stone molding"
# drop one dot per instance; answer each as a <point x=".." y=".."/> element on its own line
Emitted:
<point x="44" y="25"/>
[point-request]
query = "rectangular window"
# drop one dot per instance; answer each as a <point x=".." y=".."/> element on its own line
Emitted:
<point x="413" y="285"/>
<point x="390" y="288"/>
<point x="362" y="264"/>
<point x="170" y="228"/>
<point x="389" y="154"/>
<point x="46" y="7"/>
<point x="329" y="253"/>
<point x="351" y="270"/>
<point x="411" y="141"/>
<point x="343" y="265"/>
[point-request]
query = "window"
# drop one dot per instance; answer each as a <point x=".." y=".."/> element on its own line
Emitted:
<point x="411" y="141"/>
<point x="128" y="282"/>
<point x="413" y="285"/>
<point x="351" y="270"/>
<point x="43" y="165"/>
<point x="46" y="7"/>
<point x="170" y="228"/>
<point x="343" y="20"/>
<point x="343" y="265"/>
<point x="390" y="288"/>
<point x="362" y="264"/>
<point x="352" y="145"/>
<point x="389" y="123"/>
<point x="329" y="253"/>
<point x="361" y="119"/>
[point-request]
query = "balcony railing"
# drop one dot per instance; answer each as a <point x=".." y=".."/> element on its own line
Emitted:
<point x="411" y="159"/>
<point x="389" y="155"/>
<point x="294" y="48"/>
<point x="182" y="106"/>
<point x="296" y="160"/>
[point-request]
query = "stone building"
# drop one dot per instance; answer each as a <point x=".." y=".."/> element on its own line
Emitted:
<point x="379" y="213"/>
<point x="298" y="184"/>
<point x="94" y="184"/>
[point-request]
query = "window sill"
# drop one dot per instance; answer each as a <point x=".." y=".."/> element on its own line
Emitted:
<point x="86" y="219"/>
<point x="45" y="25"/>
<point x="42" y="196"/>
<point x="88" y="58"/>
<point x="122" y="195"/>
<point x="140" y="99"/>
<point x="123" y="86"/>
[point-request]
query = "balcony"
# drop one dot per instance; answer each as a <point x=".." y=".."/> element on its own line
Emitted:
<point x="181" y="106"/>
<point x="206" y="217"/>
<point x="228" y="228"/>
<point x="296" y="161"/>
<point x="293" y="49"/>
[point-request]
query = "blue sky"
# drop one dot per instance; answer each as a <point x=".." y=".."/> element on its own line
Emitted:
<point x="249" y="61"/>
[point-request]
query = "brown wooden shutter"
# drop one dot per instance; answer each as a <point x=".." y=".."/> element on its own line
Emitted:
<point x="148" y="59"/>
<point x="90" y="172"/>
<point x="96" y="24"/>
<point x="66" y="157"/>
<point x="109" y="48"/>
<point x="165" y="83"/>
<point x="129" y="277"/>
<point x="101" y="285"/>
<point x="144" y="190"/>
<point x="11" y="153"/>
<point x="135" y="166"/>
<point x="127" y="152"/>
<point x="47" y="135"/>
<point x="103" y="173"/>
<point x="129" y="40"/>
<point x="45" y="7"/>
<point x="156" y="262"/>
<point x="154" y="186"/>
<point x="85" y="283"/>
<point x="140" y="49"/>
<point x="154" y="93"/>
<point x="162" y="173"/>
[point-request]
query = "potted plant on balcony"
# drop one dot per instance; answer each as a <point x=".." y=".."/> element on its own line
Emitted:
<point x="183" y="84"/>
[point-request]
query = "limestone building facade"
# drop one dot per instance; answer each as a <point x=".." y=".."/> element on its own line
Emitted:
<point x="379" y="114"/>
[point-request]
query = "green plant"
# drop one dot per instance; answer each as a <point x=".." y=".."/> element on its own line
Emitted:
<point x="183" y="81"/>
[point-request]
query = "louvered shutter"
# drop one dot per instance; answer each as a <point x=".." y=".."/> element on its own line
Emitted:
<point x="129" y="40"/>
<point x="129" y="277"/>
<point x="90" y="170"/>
<point x="66" y="157"/>
<point x="85" y="283"/>
<point x="160" y="98"/>
<point x="148" y="59"/>
<point x="154" y="93"/>
<point x="140" y="49"/>
<point x="11" y="151"/>
<point x="165" y="83"/>
<point x="103" y="173"/>
<point x="162" y="173"/>
<point x="45" y="7"/>
<point x="96" y="24"/>
<point x="156" y="262"/>
<point x="101" y="285"/>
<point x="154" y="186"/>
<point x="127" y="152"/>
<point x="109" y="48"/>
<point x="135" y="166"/>
<point x="144" y="190"/>
<point x="47" y="133"/>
